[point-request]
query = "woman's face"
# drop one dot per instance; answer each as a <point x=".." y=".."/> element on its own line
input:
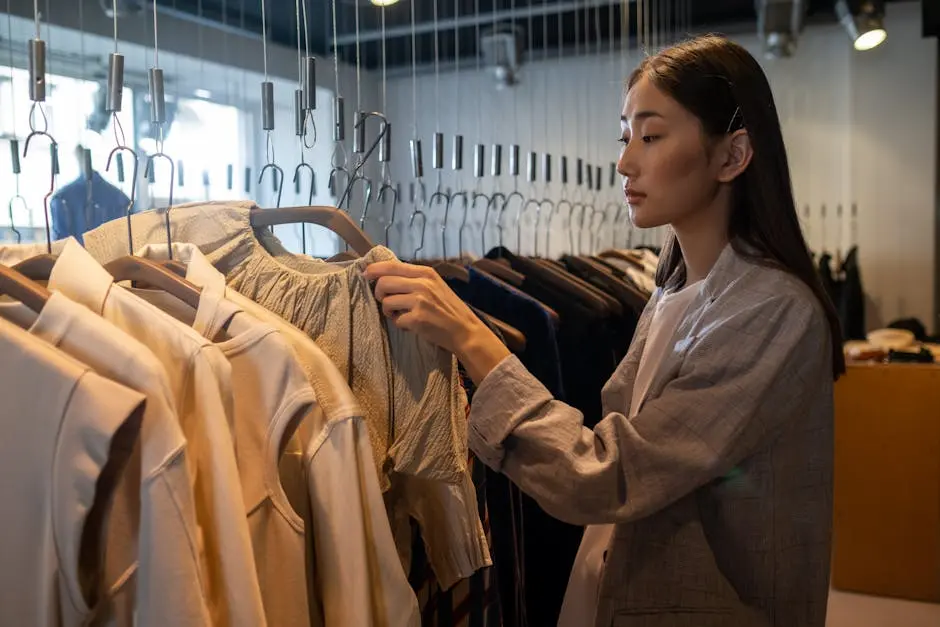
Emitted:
<point x="667" y="173"/>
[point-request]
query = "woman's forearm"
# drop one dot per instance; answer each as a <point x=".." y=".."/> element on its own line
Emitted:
<point x="480" y="351"/>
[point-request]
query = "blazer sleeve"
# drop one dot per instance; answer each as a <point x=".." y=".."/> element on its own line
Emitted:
<point x="741" y="382"/>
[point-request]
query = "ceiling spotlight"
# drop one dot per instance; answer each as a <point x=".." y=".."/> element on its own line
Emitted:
<point x="863" y="20"/>
<point x="383" y="3"/>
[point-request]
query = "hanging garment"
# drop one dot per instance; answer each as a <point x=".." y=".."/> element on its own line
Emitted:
<point x="533" y="551"/>
<point x="199" y="378"/>
<point x="851" y="305"/>
<point x="62" y="439"/>
<point x="409" y="389"/>
<point x="270" y="396"/>
<point x="735" y="434"/>
<point x="357" y="577"/>
<point x="152" y="565"/>
<point x="83" y="205"/>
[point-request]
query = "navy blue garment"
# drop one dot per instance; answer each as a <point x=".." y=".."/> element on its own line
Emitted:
<point x="524" y="313"/>
<point x="524" y="537"/>
<point x="76" y="209"/>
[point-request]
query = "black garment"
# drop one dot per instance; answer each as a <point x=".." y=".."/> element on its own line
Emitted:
<point x="524" y="538"/>
<point x="589" y="342"/>
<point x="851" y="303"/>
<point x="828" y="281"/>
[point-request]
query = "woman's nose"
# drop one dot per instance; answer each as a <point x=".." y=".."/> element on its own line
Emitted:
<point x="626" y="164"/>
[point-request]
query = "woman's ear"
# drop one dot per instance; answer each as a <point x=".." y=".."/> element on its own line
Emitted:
<point x="738" y="154"/>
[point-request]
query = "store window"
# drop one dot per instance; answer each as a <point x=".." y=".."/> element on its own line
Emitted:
<point x="73" y="114"/>
<point x="204" y="141"/>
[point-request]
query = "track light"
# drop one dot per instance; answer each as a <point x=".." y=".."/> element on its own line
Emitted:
<point x="383" y="3"/>
<point x="863" y="20"/>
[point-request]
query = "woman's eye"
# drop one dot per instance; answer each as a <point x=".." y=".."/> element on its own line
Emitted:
<point x="623" y="140"/>
<point x="649" y="139"/>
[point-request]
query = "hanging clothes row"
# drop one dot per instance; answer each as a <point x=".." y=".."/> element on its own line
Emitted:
<point x="247" y="496"/>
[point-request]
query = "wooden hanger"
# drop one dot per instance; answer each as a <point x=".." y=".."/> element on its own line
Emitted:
<point x="623" y="256"/>
<point x="450" y="270"/>
<point x="514" y="338"/>
<point x="329" y="217"/>
<point x="37" y="268"/>
<point x="140" y="270"/>
<point x="23" y="289"/>
<point x="501" y="271"/>
<point x="175" y="267"/>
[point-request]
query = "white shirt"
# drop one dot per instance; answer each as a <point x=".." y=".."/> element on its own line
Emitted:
<point x="153" y="507"/>
<point x="580" y="605"/>
<point x="60" y="421"/>
<point x="358" y="579"/>
<point x="200" y="382"/>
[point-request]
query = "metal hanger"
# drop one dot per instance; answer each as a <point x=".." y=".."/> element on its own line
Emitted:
<point x="39" y="267"/>
<point x="386" y="188"/>
<point x="131" y="267"/>
<point x="424" y="222"/>
<point x="313" y="191"/>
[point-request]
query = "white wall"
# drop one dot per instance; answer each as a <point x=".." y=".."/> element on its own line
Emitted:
<point x="860" y="128"/>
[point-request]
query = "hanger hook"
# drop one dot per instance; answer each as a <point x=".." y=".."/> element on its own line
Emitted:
<point x="169" y="206"/>
<point x="424" y="224"/>
<point x="278" y="180"/>
<point x="19" y="236"/>
<point x="522" y="210"/>
<point x="387" y="187"/>
<point x="502" y="212"/>
<point x="552" y="207"/>
<point x="53" y="166"/>
<point x="490" y="201"/>
<point x="130" y="205"/>
<point x="313" y="190"/>
<point x="441" y="198"/>
<point x="463" y="221"/>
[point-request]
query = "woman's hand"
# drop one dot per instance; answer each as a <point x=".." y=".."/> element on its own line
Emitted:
<point x="416" y="299"/>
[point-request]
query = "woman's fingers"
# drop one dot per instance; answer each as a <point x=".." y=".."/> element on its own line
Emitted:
<point x="389" y="285"/>
<point x="395" y="268"/>
<point x="394" y="305"/>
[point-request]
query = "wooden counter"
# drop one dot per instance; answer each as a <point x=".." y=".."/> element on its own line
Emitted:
<point x="886" y="533"/>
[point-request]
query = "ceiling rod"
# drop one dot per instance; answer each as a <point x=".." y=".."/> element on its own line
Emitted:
<point x="472" y="20"/>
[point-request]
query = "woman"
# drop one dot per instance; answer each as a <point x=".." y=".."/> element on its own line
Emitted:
<point x="707" y="486"/>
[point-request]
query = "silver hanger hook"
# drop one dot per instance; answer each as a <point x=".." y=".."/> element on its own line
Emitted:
<point x="586" y="207"/>
<point x="366" y="199"/>
<point x="150" y="170"/>
<point x="130" y="205"/>
<point x="522" y="210"/>
<point x="463" y="220"/>
<point x="575" y="206"/>
<point x="424" y="224"/>
<point x="486" y="210"/>
<point x="552" y="207"/>
<point x="440" y="198"/>
<point x="492" y="203"/>
<point x="19" y="236"/>
<point x="278" y="180"/>
<point x="502" y="211"/>
<point x="53" y="170"/>
<point x="387" y="187"/>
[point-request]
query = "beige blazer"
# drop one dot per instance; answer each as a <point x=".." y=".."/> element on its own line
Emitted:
<point x="721" y="485"/>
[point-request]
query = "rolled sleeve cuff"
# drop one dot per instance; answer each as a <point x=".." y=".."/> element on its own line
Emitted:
<point x="508" y="396"/>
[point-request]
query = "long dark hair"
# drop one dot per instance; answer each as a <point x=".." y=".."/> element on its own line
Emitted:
<point x="726" y="89"/>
